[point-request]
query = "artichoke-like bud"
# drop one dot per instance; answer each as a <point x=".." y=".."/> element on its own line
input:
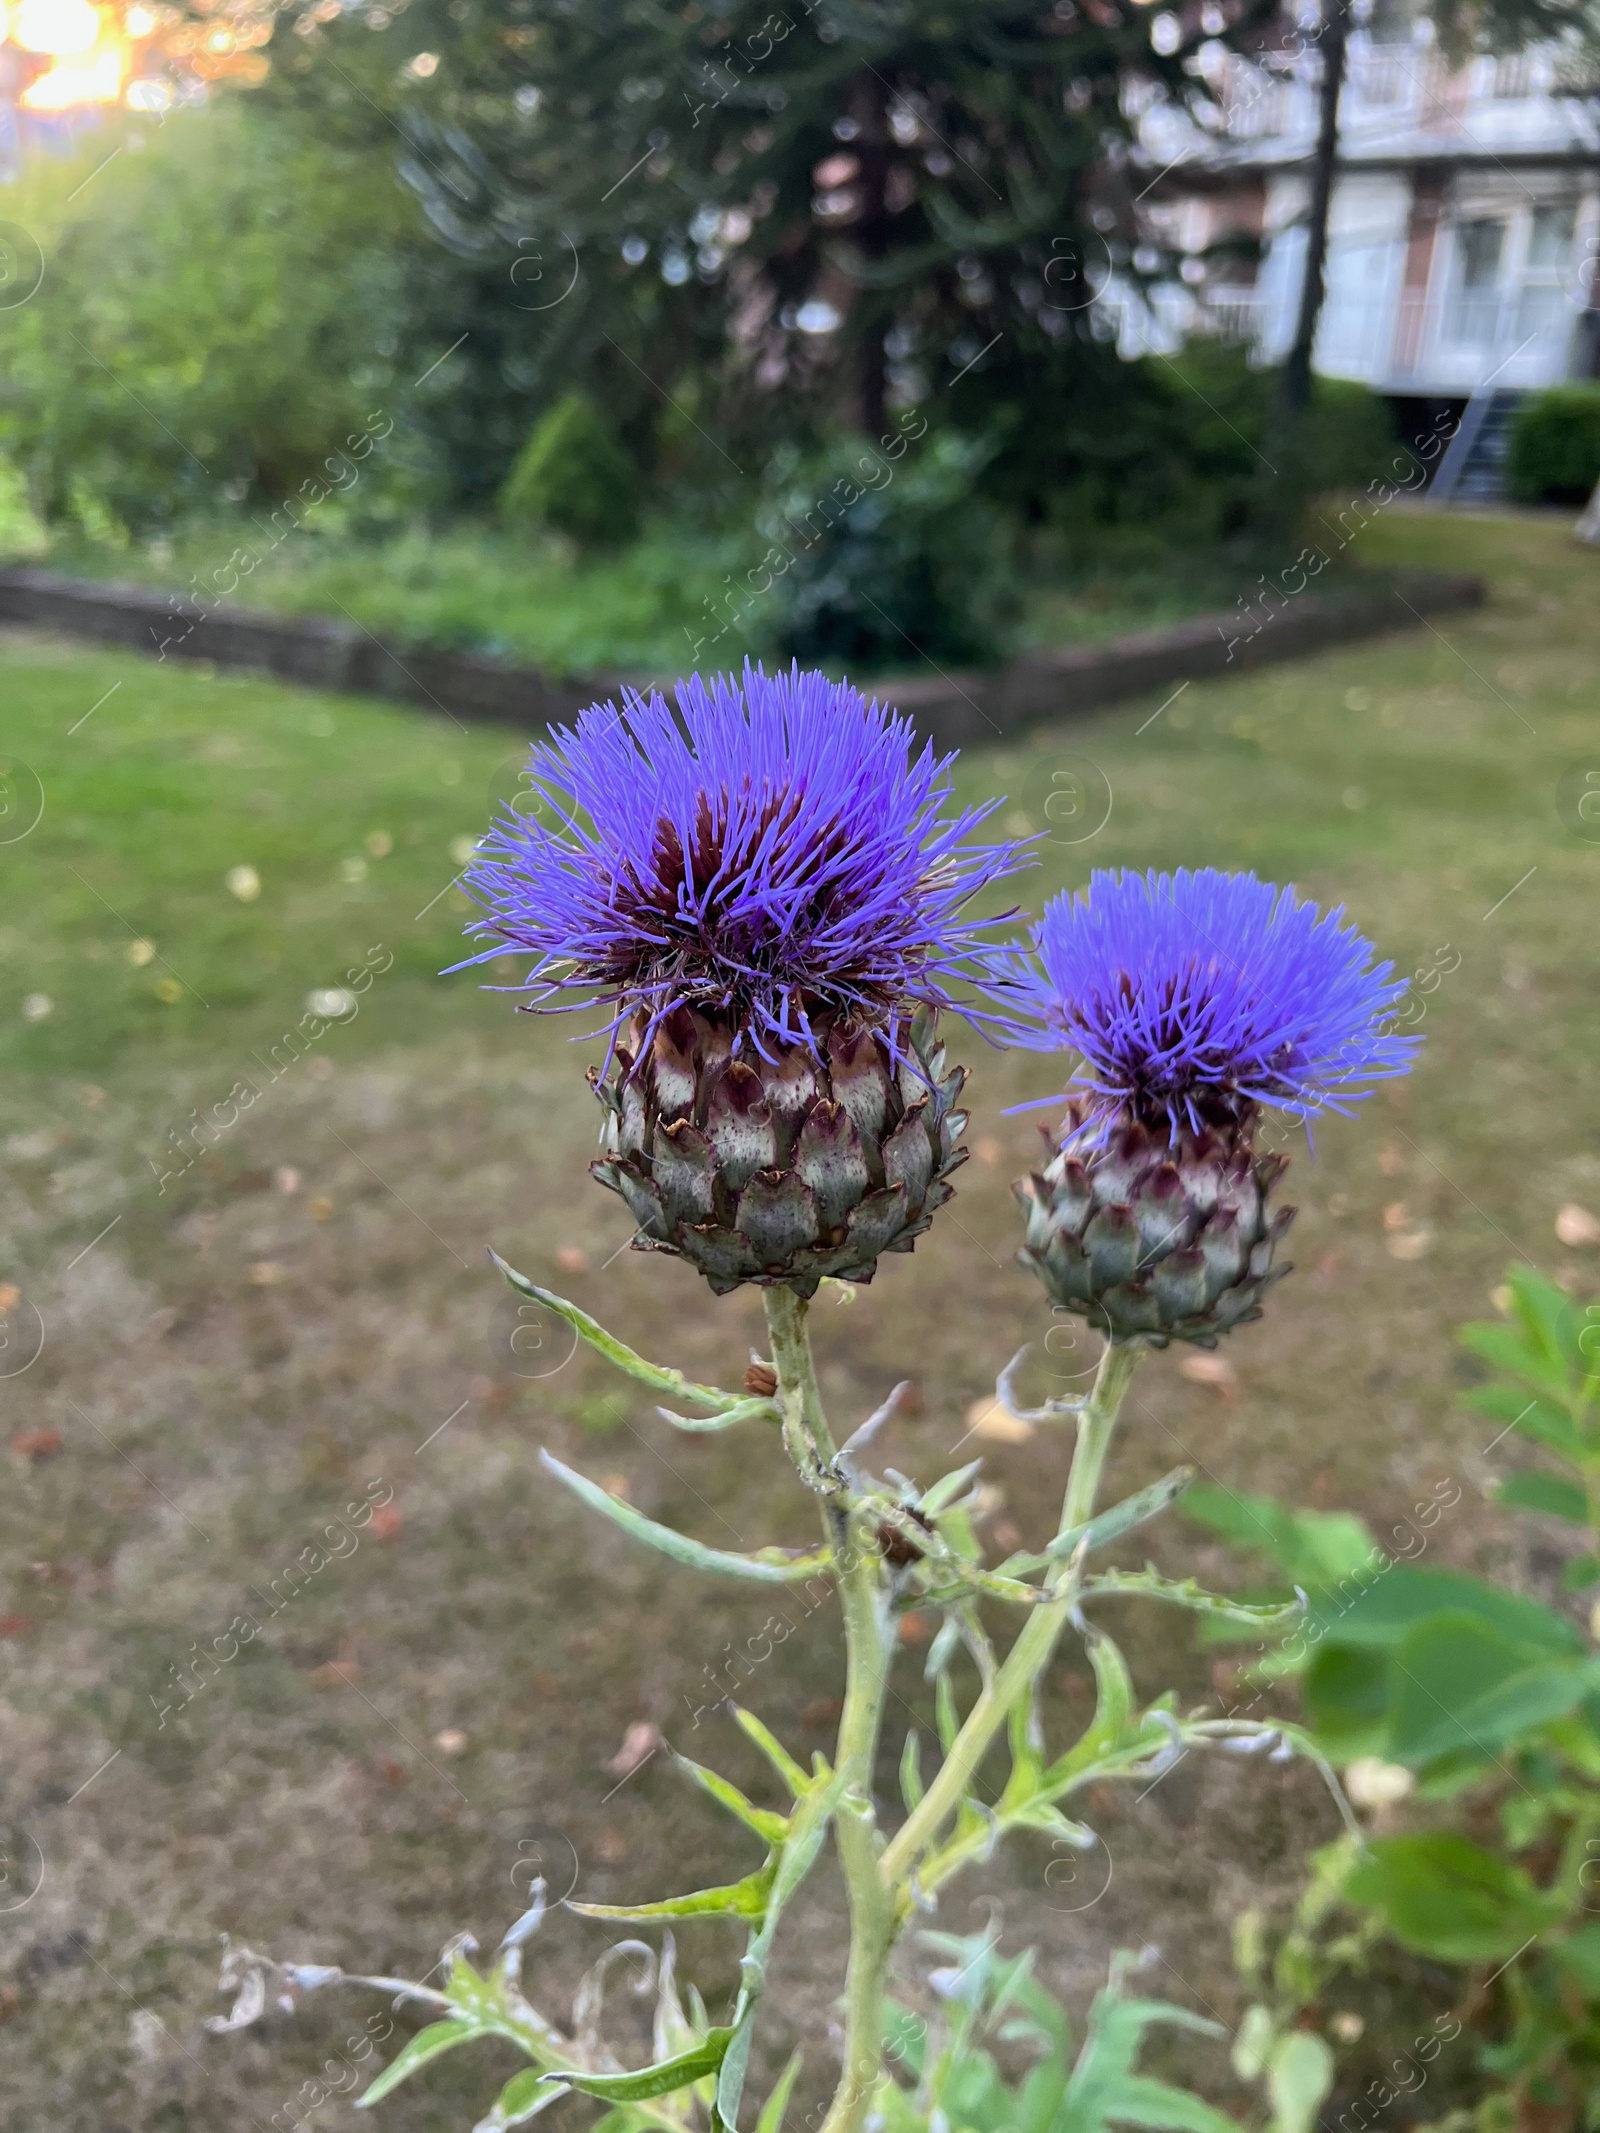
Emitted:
<point x="1166" y="1240"/>
<point x="783" y="1170"/>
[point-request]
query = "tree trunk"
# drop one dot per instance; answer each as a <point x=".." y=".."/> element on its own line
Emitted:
<point x="870" y="233"/>
<point x="1313" y="288"/>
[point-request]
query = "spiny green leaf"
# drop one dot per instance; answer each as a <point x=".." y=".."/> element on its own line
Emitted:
<point x="771" y="1828"/>
<point x="1121" y="1518"/>
<point x="672" y="1382"/>
<point x="1195" y="1597"/>
<point x="768" y="1566"/>
<point x="798" y="1781"/>
<point x="429" y="2043"/>
<point x="660" y="2080"/>
<point x="736" y="1899"/>
<point x="947" y="1488"/>
<point x="753" y="1410"/>
<point x="809" y="1826"/>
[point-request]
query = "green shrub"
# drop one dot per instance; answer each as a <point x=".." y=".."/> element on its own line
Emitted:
<point x="1555" y="445"/>
<point x="210" y="328"/>
<point x="20" y="532"/>
<point x="886" y="559"/>
<point x="573" y="477"/>
<point x="1184" y="450"/>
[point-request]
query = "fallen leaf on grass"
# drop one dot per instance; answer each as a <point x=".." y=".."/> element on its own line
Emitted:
<point x="991" y="1419"/>
<point x="1214" y="1372"/>
<point x="1576" y="1226"/>
<point x="639" y="1743"/>
<point x="338" y="1673"/>
<point x="37" y="1443"/>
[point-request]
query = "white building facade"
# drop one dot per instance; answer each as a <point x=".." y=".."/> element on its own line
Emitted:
<point x="1464" y="234"/>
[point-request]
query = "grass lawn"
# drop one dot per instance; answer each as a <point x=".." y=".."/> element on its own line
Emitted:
<point x="237" y="1348"/>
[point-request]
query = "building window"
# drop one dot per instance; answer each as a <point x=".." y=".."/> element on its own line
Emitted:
<point x="1542" y="302"/>
<point x="1474" y="306"/>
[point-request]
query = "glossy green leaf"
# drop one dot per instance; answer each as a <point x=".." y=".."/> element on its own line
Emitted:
<point x="1579" y="1957"/>
<point x="1547" y="1493"/>
<point x="1459" y="1686"/>
<point x="1387" y="1608"/>
<point x="1300" y="2073"/>
<point x="1539" y="1420"/>
<point x="1509" y="1349"/>
<point x="429" y="2043"/>
<point x="1314" y="1549"/>
<point x="768" y="1566"/>
<point x="1347" y="1699"/>
<point x="1442" y="1895"/>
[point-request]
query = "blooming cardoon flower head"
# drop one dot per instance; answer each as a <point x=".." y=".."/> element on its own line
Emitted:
<point x="1192" y="1000"/>
<point x="766" y="891"/>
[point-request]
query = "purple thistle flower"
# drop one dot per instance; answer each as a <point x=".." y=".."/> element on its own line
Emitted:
<point x="774" y="855"/>
<point x="1192" y="998"/>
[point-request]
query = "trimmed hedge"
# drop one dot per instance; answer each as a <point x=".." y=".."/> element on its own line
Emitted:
<point x="1555" y="446"/>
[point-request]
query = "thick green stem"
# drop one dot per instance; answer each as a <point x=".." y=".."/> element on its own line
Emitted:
<point x="858" y="1568"/>
<point x="1030" y="1654"/>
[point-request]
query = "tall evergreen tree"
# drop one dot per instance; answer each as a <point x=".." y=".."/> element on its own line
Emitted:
<point x="706" y="210"/>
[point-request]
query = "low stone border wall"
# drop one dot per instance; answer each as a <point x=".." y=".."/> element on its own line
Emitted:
<point x="952" y="710"/>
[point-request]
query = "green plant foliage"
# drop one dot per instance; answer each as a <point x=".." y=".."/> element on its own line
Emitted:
<point x="984" y="1999"/>
<point x="1555" y="445"/>
<point x="1169" y="448"/>
<point x="573" y="477"/>
<point x="1469" y="1690"/>
<point x="212" y="324"/>
<point x="21" y="535"/>
<point x="1445" y="1896"/>
<point x="879" y="562"/>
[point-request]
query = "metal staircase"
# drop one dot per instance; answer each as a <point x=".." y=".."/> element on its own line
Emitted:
<point x="1472" y="470"/>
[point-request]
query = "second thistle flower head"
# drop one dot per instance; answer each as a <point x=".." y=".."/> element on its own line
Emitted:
<point x="768" y="891"/>
<point x="1192" y="1000"/>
